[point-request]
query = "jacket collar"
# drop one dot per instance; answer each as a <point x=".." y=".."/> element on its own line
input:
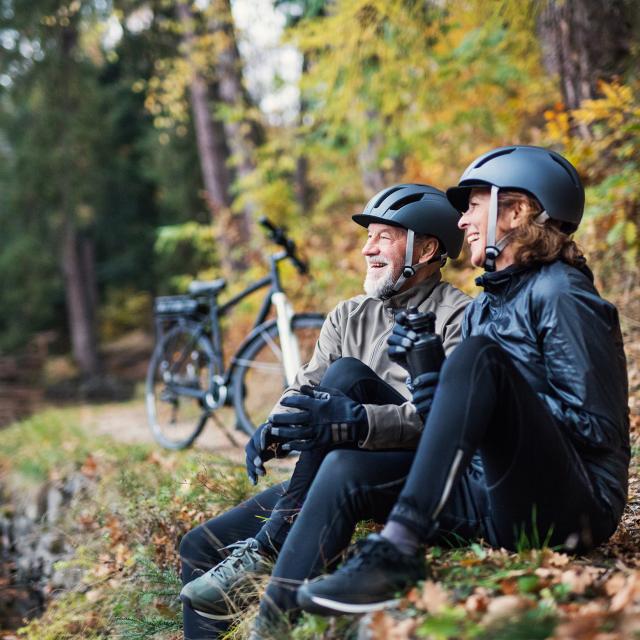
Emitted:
<point x="501" y="280"/>
<point x="415" y="296"/>
<point x="505" y="278"/>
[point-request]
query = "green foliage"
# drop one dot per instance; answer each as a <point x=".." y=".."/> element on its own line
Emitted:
<point x="124" y="310"/>
<point x="610" y="164"/>
<point x="536" y="624"/>
<point x="182" y="252"/>
<point x="36" y="447"/>
<point x="449" y="623"/>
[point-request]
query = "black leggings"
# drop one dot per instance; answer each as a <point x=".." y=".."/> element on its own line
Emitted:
<point x="539" y="490"/>
<point x="201" y="548"/>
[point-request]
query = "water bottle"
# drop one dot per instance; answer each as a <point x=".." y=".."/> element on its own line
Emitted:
<point x="427" y="354"/>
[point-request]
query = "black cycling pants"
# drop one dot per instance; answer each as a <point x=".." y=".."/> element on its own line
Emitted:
<point x="538" y="488"/>
<point x="530" y="486"/>
<point x="201" y="548"/>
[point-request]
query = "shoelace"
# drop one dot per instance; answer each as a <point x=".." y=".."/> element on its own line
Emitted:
<point x="238" y="558"/>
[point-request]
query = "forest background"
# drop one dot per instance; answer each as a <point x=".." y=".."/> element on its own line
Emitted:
<point x="141" y="141"/>
<point x="139" y="144"/>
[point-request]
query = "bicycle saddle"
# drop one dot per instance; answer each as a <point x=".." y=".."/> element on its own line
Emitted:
<point x="209" y="287"/>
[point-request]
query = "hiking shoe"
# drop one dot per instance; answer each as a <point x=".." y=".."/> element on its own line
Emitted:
<point x="226" y="588"/>
<point x="369" y="580"/>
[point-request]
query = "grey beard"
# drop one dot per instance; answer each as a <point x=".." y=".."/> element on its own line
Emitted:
<point x="380" y="288"/>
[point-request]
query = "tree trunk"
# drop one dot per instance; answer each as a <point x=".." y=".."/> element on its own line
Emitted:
<point x="243" y="132"/>
<point x="302" y="188"/>
<point x="584" y="41"/>
<point x="374" y="176"/>
<point x="79" y="311"/>
<point x="212" y="148"/>
<point x="77" y="261"/>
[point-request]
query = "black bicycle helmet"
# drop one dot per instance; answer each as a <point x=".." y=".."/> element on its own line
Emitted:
<point x="418" y="207"/>
<point x="542" y="173"/>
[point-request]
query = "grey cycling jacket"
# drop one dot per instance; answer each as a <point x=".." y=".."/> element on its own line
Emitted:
<point x="359" y="328"/>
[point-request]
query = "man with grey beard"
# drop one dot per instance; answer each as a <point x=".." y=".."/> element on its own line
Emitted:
<point x="352" y="389"/>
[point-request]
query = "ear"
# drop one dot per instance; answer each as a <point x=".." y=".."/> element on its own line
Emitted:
<point x="516" y="215"/>
<point x="429" y="250"/>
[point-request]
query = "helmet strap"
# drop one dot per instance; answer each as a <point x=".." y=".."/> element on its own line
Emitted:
<point x="494" y="247"/>
<point x="409" y="270"/>
<point x="492" y="251"/>
<point x="542" y="217"/>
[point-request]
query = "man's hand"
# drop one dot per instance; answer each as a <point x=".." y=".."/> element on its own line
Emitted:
<point x="260" y="449"/>
<point x="325" y="417"/>
<point x="424" y="388"/>
<point x="401" y="340"/>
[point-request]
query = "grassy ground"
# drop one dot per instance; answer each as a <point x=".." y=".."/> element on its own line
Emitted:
<point x="140" y="501"/>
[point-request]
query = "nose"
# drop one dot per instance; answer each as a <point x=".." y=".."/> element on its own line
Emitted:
<point x="463" y="221"/>
<point x="370" y="247"/>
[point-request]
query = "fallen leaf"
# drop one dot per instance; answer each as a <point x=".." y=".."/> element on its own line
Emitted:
<point x="477" y="602"/>
<point x="614" y="584"/>
<point x="504" y="607"/>
<point x="580" y="579"/>
<point x="626" y="594"/>
<point x="433" y="597"/>
<point x="90" y="467"/>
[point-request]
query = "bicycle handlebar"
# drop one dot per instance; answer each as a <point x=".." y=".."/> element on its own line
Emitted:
<point x="279" y="236"/>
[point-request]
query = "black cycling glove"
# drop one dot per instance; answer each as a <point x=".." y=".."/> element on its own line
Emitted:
<point x="261" y="448"/>
<point x="402" y="338"/>
<point x="424" y="388"/>
<point x="326" y="417"/>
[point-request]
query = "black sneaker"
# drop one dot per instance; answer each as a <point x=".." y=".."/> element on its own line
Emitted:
<point x="369" y="580"/>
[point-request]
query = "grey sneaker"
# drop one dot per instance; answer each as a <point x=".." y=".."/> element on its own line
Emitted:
<point x="226" y="589"/>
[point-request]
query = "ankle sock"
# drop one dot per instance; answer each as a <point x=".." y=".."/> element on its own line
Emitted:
<point x="402" y="537"/>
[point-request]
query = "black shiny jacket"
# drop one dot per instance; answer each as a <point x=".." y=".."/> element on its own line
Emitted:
<point x="566" y="341"/>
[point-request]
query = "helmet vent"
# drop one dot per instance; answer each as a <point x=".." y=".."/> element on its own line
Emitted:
<point x="563" y="164"/>
<point x="385" y="194"/>
<point x="403" y="202"/>
<point x="492" y="156"/>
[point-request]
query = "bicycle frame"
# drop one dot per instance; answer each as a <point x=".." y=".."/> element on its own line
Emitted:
<point x="217" y="393"/>
<point x="275" y="297"/>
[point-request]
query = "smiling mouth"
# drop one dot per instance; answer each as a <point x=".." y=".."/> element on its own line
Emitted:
<point x="472" y="237"/>
<point x="377" y="265"/>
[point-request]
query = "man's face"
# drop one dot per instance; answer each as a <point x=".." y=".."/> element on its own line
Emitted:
<point x="384" y="253"/>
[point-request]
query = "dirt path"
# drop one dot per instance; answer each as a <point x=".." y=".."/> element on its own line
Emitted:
<point x="127" y="422"/>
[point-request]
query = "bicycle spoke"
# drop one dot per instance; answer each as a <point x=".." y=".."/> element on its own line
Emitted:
<point x="262" y="366"/>
<point x="272" y="345"/>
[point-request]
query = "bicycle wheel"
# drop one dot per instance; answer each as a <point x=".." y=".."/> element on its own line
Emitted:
<point x="178" y="377"/>
<point x="259" y="378"/>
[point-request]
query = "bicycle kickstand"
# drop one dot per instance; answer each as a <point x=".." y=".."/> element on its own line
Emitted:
<point x="224" y="427"/>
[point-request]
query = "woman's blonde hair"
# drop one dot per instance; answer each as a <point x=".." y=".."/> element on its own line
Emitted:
<point x="538" y="242"/>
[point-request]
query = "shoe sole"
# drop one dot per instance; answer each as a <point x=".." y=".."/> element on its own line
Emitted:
<point x="205" y="614"/>
<point x="318" y="604"/>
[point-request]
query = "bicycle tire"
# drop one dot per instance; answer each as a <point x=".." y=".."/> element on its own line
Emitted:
<point x="259" y="379"/>
<point x="176" y="420"/>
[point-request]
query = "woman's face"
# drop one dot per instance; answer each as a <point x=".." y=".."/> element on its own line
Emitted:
<point x="474" y="222"/>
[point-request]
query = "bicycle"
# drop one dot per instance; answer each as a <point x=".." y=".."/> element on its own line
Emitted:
<point x="187" y="378"/>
